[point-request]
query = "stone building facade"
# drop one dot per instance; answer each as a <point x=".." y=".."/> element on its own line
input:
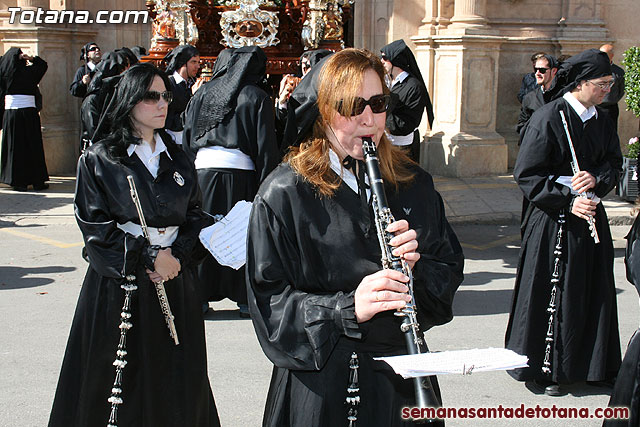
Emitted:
<point x="473" y="54"/>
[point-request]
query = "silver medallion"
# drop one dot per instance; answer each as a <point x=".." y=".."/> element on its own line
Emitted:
<point x="178" y="178"/>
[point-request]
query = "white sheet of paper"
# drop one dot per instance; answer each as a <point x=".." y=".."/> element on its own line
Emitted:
<point x="456" y="362"/>
<point x="227" y="238"/>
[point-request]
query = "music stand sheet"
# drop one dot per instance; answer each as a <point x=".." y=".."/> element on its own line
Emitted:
<point x="227" y="238"/>
<point x="455" y="362"/>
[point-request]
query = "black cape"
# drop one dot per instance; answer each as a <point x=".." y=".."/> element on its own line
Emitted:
<point x="531" y="102"/>
<point x="22" y="160"/>
<point x="163" y="384"/>
<point x="586" y="340"/>
<point x="306" y="255"/>
<point x="626" y="392"/>
<point x="399" y="54"/>
<point x="181" y="96"/>
<point x="248" y="127"/>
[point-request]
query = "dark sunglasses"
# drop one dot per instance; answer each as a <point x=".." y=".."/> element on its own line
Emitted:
<point x="92" y="48"/>
<point x="542" y="70"/>
<point x="378" y="104"/>
<point x="154" y="96"/>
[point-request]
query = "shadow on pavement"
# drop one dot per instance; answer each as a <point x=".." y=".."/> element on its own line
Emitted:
<point x="479" y="303"/>
<point x="224" y="315"/>
<point x="16" y="277"/>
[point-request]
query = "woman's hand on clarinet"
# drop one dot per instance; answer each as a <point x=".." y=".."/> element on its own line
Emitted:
<point x="166" y="265"/>
<point x="405" y="242"/>
<point x="583" y="181"/>
<point x="381" y="291"/>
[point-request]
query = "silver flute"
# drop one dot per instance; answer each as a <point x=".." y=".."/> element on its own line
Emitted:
<point x="425" y="395"/>
<point x="576" y="168"/>
<point x="162" y="293"/>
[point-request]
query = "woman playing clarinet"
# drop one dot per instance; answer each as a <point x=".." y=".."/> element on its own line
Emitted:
<point x="321" y="303"/>
<point x="154" y="381"/>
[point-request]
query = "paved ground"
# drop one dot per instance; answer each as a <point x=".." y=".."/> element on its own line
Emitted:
<point x="41" y="272"/>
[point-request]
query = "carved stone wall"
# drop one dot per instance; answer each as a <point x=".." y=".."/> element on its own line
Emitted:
<point x="471" y="50"/>
<point x="59" y="45"/>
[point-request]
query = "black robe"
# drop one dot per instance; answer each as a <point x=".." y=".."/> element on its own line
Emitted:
<point x="250" y="128"/>
<point x="531" y="102"/>
<point x="626" y="392"/>
<point x="78" y="88"/>
<point x="586" y="340"/>
<point x="163" y="384"/>
<point x="94" y="122"/>
<point x="22" y="153"/>
<point x="306" y="255"/>
<point x="181" y="97"/>
<point x="408" y="101"/>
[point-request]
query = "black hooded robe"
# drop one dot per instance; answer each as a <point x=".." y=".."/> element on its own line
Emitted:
<point x="250" y="128"/>
<point x="22" y="153"/>
<point x="306" y="255"/>
<point x="409" y="98"/>
<point x="586" y="342"/>
<point x="163" y="384"/>
<point x="626" y="392"/>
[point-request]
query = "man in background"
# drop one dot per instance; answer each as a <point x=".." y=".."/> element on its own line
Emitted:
<point x="91" y="55"/>
<point x="610" y="103"/>
<point x="544" y="69"/>
<point x="409" y="97"/>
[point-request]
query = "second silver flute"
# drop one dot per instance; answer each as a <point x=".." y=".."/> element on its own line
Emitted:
<point x="160" y="290"/>
<point x="575" y="168"/>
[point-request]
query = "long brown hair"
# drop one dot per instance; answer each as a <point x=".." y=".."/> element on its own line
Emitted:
<point x="340" y="81"/>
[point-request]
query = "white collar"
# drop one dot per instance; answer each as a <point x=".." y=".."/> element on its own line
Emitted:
<point x="584" y="113"/>
<point x="91" y="65"/>
<point x="347" y="176"/>
<point x="177" y="77"/>
<point x="400" y="78"/>
<point x="144" y="145"/>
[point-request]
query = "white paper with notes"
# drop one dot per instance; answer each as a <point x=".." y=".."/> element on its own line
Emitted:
<point x="227" y="238"/>
<point x="455" y="362"/>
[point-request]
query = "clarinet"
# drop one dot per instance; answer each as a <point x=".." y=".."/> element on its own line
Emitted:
<point x="575" y="168"/>
<point x="162" y="293"/>
<point x="425" y="395"/>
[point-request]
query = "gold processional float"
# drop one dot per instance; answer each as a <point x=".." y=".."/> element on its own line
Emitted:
<point x="283" y="28"/>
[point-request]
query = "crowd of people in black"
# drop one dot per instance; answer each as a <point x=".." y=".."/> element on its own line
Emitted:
<point x="194" y="148"/>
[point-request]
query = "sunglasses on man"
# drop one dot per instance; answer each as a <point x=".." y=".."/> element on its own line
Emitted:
<point x="93" y="48"/>
<point x="540" y="70"/>
<point x="378" y="104"/>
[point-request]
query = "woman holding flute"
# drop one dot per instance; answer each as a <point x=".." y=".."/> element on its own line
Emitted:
<point x="155" y="382"/>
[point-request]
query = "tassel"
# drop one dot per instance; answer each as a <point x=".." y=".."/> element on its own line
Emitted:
<point x="125" y="324"/>
<point x="551" y="309"/>
<point x="353" y="399"/>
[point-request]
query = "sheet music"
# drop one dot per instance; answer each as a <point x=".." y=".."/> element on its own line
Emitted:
<point x="456" y="362"/>
<point x="227" y="238"/>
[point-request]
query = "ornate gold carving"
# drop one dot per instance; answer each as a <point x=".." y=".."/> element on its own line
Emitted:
<point x="173" y="22"/>
<point x="249" y="25"/>
<point x="324" y="22"/>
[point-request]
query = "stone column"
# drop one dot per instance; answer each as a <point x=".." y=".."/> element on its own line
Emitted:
<point x="33" y="4"/>
<point x="469" y="13"/>
<point x="463" y="141"/>
<point x="581" y="26"/>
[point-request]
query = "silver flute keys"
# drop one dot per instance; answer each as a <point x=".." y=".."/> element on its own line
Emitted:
<point x="576" y="168"/>
<point x="125" y="324"/>
<point x="160" y="290"/>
